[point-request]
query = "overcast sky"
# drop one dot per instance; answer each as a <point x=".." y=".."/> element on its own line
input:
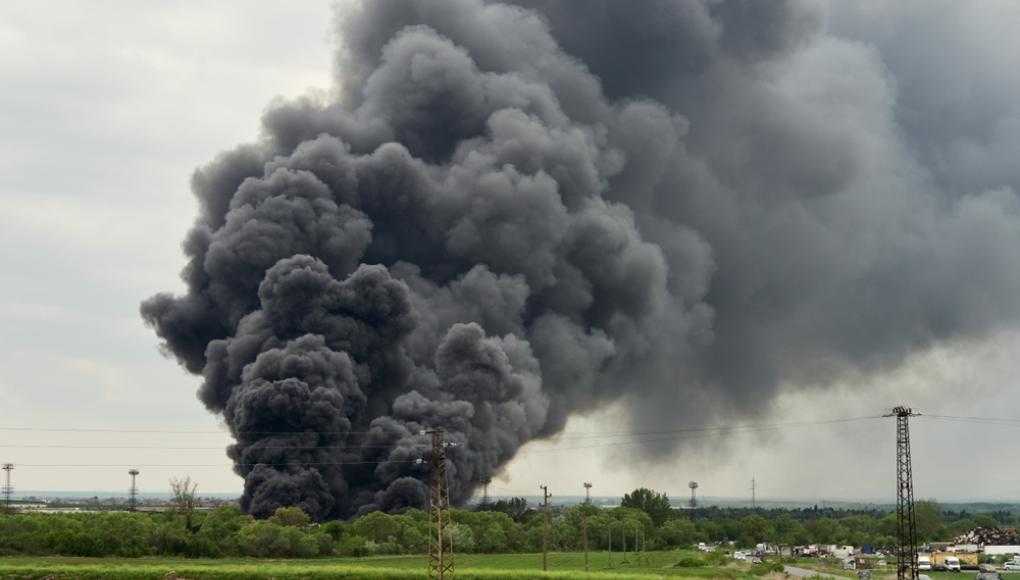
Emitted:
<point x="106" y="110"/>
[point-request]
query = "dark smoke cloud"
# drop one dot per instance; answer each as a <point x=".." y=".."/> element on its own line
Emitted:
<point x="515" y="212"/>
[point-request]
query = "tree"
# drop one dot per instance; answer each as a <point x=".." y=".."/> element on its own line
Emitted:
<point x="655" y="504"/>
<point x="515" y="507"/>
<point x="928" y="515"/>
<point x="678" y="533"/>
<point x="787" y="531"/>
<point x="185" y="499"/>
<point x="293" y="517"/>
<point x="755" y="529"/>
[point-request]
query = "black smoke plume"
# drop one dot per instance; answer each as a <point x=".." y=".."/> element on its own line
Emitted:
<point x="509" y="213"/>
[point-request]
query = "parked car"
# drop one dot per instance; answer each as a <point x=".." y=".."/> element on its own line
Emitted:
<point x="951" y="563"/>
<point x="987" y="572"/>
<point x="1012" y="566"/>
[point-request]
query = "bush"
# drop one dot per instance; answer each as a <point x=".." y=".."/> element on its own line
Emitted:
<point x="270" y="540"/>
<point x="766" y="568"/>
<point x="293" y="517"/>
<point x="689" y="562"/>
<point x="352" y="545"/>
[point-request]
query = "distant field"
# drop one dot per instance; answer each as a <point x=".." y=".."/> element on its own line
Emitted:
<point x="487" y="566"/>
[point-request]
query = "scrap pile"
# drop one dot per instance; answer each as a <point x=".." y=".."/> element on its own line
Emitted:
<point x="990" y="537"/>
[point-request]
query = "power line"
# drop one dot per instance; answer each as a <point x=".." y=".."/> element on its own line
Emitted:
<point x="341" y="432"/>
<point x="175" y="448"/>
<point x="267" y="463"/>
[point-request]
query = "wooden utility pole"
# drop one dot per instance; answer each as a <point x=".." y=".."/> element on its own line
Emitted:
<point x="584" y="522"/>
<point x="623" y="536"/>
<point x="545" y="532"/>
<point x="610" y="543"/>
<point x="440" y="559"/>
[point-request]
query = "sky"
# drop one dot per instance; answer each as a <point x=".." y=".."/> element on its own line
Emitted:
<point x="107" y="109"/>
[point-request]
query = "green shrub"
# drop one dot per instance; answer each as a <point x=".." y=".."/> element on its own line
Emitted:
<point x="270" y="540"/>
<point x="766" y="568"/>
<point x="293" y="517"/>
<point x="352" y="545"/>
<point x="689" y="562"/>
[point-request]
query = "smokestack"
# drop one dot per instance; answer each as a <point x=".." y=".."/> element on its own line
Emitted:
<point x="513" y="213"/>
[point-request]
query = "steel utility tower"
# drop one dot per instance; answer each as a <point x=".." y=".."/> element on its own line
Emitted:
<point x="754" y="493"/>
<point x="906" y="524"/>
<point x="440" y="559"/>
<point x="587" y="492"/>
<point x="485" y="491"/>
<point x="694" y="500"/>
<point x="133" y="492"/>
<point x="7" y="489"/>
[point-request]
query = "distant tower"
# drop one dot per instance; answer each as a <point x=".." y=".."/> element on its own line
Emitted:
<point x="587" y="492"/>
<point x="133" y="492"/>
<point x="694" y="500"/>
<point x="7" y="489"/>
<point x="440" y="556"/>
<point x="906" y="523"/>
<point x="754" y="493"/>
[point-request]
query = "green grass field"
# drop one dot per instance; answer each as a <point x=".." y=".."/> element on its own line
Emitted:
<point x="469" y="566"/>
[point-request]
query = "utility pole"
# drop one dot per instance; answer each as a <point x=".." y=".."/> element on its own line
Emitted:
<point x="584" y="522"/>
<point x="610" y="543"/>
<point x="545" y="532"/>
<point x="440" y="559"/>
<point x="133" y="492"/>
<point x="636" y="550"/>
<point x="754" y="501"/>
<point x="641" y="552"/>
<point x="7" y="489"/>
<point x="623" y="537"/>
<point x="906" y="523"/>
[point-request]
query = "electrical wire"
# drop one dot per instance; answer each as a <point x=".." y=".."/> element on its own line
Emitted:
<point x="217" y="465"/>
<point x="565" y="436"/>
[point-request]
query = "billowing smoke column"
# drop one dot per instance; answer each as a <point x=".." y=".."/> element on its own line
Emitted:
<point x="512" y="213"/>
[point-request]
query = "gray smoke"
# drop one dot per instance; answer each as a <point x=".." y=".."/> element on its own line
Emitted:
<point x="512" y="213"/>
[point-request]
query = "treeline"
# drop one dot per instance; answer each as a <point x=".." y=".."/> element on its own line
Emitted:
<point x="645" y="521"/>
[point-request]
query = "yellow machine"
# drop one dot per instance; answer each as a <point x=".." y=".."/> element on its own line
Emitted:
<point x="968" y="560"/>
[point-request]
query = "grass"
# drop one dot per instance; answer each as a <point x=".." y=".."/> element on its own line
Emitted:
<point x="469" y="566"/>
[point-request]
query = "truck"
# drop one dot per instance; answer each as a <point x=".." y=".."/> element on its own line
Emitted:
<point x="923" y="562"/>
<point x="955" y="561"/>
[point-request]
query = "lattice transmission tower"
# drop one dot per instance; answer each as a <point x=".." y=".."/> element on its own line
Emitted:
<point x="906" y="523"/>
<point x="7" y="489"/>
<point x="133" y="490"/>
<point x="440" y="557"/>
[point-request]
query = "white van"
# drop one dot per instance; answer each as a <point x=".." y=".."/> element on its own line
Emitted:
<point x="952" y="563"/>
<point x="924" y="562"/>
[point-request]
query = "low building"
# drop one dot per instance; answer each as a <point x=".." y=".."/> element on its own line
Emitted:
<point x="1002" y="550"/>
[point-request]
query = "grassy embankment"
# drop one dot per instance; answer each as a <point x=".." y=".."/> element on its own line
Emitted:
<point x="469" y="566"/>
